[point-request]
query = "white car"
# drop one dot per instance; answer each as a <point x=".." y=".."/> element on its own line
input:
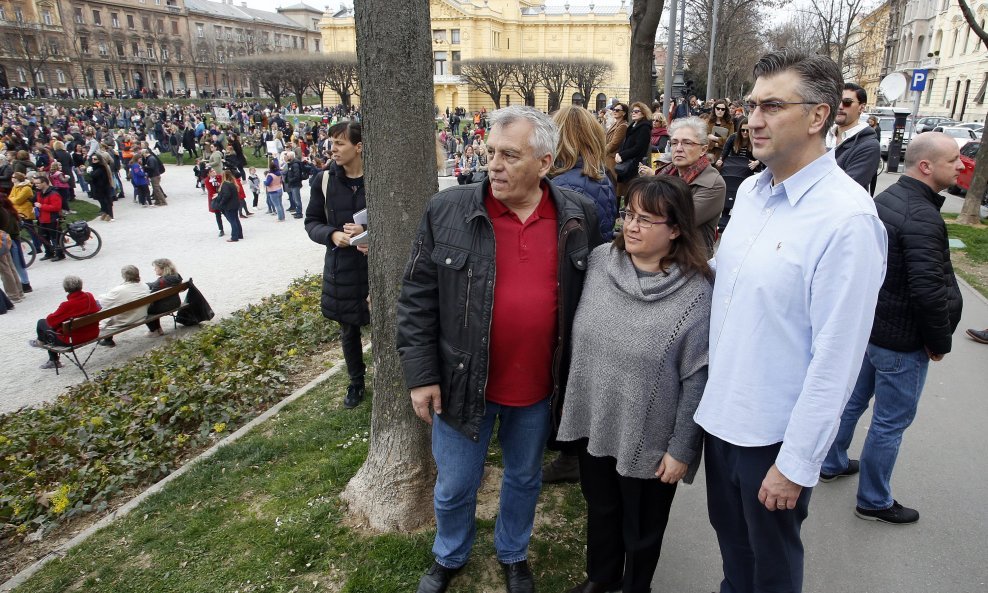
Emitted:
<point x="960" y="134"/>
<point x="974" y="126"/>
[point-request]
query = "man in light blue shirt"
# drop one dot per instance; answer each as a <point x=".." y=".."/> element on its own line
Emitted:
<point x="798" y="274"/>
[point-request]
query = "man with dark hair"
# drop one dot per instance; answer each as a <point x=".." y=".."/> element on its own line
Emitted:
<point x="855" y="143"/>
<point x="919" y="307"/>
<point x="798" y="273"/>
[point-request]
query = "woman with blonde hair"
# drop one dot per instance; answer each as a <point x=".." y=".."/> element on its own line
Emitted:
<point x="166" y="276"/>
<point x="580" y="163"/>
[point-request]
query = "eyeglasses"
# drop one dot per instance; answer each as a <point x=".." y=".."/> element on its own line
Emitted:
<point x="636" y="111"/>
<point x="773" y="107"/>
<point x="848" y="102"/>
<point x="618" y="109"/>
<point x="646" y="223"/>
<point x="720" y="108"/>
<point x="744" y="130"/>
<point x="685" y="143"/>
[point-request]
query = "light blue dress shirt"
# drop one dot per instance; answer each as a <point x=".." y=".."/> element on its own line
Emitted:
<point x="798" y="273"/>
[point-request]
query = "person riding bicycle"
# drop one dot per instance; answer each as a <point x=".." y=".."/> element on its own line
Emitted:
<point x="49" y="204"/>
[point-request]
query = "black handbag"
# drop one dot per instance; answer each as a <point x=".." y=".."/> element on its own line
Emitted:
<point x="626" y="170"/>
<point x="216" y="204"/>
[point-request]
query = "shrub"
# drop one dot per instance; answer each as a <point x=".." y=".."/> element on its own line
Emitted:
<point x="134" y="424"/>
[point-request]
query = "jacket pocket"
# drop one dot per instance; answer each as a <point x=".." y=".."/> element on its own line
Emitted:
<point x="579" y="258"/>
<point x="449" y="257"/>
<point x="455" y="375"/>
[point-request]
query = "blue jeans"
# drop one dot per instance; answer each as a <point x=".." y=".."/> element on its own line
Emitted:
<point x="896" y="380"/>
<point x="274" y="202"/>
<point x="522" y="433"/>
<point x="295" y="199"/>
<point x="17" y="254"/>
<point x="236" y="230"/>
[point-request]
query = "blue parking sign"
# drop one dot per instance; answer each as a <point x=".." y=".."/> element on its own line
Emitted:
<point x="919" y="80"/>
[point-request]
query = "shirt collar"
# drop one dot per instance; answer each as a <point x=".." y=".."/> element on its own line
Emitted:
<point x="796" y="186"/>
<point x="495" y="207"/>
<point x="832" y="136"/>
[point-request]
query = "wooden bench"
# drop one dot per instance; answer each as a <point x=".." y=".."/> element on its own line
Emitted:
<point x="71" y="325"/>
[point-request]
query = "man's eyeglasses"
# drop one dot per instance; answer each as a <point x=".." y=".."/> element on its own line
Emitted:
<point x="685" y="143"/>
<point x="646" y="223"/>
<point x="848" y="102"/>
<point x="773" y="107"/>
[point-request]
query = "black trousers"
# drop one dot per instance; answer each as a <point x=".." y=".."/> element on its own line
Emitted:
<point x="626" y="520"/>
<point x="47" y="335"/>
<point x="353" y="353"/>
<point x="761" y="549"/>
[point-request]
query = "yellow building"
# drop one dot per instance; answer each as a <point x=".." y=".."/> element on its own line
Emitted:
<point x="508" y="29"/>
<point x="868" y="52"/>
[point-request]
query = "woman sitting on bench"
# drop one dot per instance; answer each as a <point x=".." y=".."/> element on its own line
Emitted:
<point x="77" y="303"/>
<point x="167" y="277"/>
<point x="130" y="290"/>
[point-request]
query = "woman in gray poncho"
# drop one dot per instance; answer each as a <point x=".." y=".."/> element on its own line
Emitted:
<point x="630" y="399"/>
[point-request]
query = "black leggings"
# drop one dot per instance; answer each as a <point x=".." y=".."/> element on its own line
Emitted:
<point x="353" y="353"/>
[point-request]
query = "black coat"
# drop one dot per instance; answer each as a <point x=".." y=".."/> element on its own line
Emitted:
<point x="636" y="141"/>
<point x="447" y="297"/>
<point x="919" y="304"/>
<point x="344" y="276"/>
<point x="100" y="184"/>
<point x="229" y="197"/>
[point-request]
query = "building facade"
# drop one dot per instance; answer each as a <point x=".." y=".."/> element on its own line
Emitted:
<point x="166" y="47"/>
<point x="508" y="29"/>
<point x="867" y="49"/>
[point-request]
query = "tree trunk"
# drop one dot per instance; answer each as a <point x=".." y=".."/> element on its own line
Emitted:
<point x="644" y="23"/>
<point x="971" y="211"/>
<point x="392" y="491"/>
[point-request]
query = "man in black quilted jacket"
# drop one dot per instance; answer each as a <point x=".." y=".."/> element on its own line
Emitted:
<point x="919" y="306"/>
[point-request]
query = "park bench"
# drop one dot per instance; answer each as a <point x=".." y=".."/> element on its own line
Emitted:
<point x="70" y="325"/>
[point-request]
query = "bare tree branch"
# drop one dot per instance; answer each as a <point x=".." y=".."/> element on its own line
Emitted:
<point x="487" y="76"/>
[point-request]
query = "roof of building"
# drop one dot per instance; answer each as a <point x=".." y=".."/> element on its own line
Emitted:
<point x="300" y="6"/>
<point x="582" y="8"/>
<point x="240" y="13"/>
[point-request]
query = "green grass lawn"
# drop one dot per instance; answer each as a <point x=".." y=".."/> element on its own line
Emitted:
<point x="85" y="209"/>
<point x="263" y="514"/>
<point x="971" y="263"/>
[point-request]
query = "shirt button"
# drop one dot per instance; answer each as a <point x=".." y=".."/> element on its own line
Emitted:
<point x="448" y="261"/>
<point x="459" y="366"/>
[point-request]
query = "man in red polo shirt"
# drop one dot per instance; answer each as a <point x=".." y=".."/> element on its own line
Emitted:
<point x="484" y="315"/>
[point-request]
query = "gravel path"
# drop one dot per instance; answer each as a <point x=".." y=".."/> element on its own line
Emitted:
<point x="230" y="275"/>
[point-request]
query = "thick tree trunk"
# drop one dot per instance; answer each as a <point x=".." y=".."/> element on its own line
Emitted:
<point x="393" y="489"/>
<point x="644" y="23"/>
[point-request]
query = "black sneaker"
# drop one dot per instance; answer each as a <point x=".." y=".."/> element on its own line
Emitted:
<point x="107" y="342"/>
<point x="894" y="515"/>
<point x="853" y="467"/>
<point x="354" y="395"/>
<point x="518" y="577"/>
<point x="436" y="579"/>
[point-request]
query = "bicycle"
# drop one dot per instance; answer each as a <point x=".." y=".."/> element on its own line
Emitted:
<point x="881" y="166"/>
<point x="73" y="242"/>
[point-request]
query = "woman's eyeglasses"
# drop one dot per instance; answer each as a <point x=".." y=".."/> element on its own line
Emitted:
<point x="646" y="223"/>
<point x="636" y="111"/>
<point x="684" y="143"/>
<point x="744" y="130"/>
<point x="720" y="108"/>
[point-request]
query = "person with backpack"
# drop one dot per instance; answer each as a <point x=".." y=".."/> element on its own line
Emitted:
<point x="293" y="183"/>
<point x="155" y="169"/>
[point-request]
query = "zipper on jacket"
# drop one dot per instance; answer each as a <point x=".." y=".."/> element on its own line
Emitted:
<point x="490" y="322"/>
<point x="466" y="310"/>
<point x="415" y="260"/>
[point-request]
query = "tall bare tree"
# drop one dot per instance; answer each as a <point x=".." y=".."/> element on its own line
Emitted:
<point x="28" y="42"/>
<point x="833" y="22"/>
<point x="487" y="76"/>
<point x="298" y="72"/>
<point x="644" y="23"/>
<point x="81" y="55"/>
<point x="267" y="70"/>
<point x="393" y="489"/>
<point x="737" y="42"/>
<point x="524" y="79"/>
<point x="340" y="73"/>
<point x="970" y="212"/>
<point x="554" y="77"/>
<point x="589" y="75"/>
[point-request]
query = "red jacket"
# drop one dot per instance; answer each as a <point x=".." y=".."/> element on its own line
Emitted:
<point x="50" y="204"/>
<point x="76" y="304"/>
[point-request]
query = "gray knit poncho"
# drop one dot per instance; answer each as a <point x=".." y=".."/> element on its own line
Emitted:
<point x="639" y="365"/>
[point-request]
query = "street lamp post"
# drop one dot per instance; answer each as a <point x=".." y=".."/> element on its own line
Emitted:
<point x="710" y="54"/>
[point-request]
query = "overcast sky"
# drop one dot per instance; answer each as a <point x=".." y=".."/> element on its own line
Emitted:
<point x="333" y="4"/>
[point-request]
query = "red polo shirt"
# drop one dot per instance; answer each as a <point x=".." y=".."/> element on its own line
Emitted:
<point x="524" y="328"/>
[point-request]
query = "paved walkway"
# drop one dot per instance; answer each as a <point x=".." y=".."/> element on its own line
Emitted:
<point x="230" y="275"/>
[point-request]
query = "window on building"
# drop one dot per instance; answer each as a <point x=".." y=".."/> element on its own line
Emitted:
<point x="164" y="52"/>
<point x="130" y="22"/>
<point x="19" y="14"/>
<point x="439" y="35"/>
<point x="174" y="27"/>
<point x="229" y="33"/>
<point x="455" y="59"/>
<point x="929" y="91"/>
<point x="946" y="90"/>
<point x="316" y="48"/>
<point x="114" y="20"/>
<point x="146" y="23"/>
<point x="217" y="31"/>
<point x="967" y="39"/>
<point x="120" y="49"/>
<point x="21" y="74"/>
<point x="3" y="13"/>
<point x="200" y="30"/>
<point x="47" y="18"/>
<point x="97" y="18"/>
<point x="980" y="97"/>
<point x="178" y="53"/>
<point x="294" y="42"/>
<point x="496" y="39"/>
<point x="78" y="16"/>
<point x="315" y="24"/>
<point x="134" y="50"/>
<point x="39" y="77"/>
<point x="439" y="57"/>
<point x="103" y="49"/>
<point x="54" y="48"/>
<point x="106" y="79"/>
<point x="150" y="47"/>
<point x="60" y="76"/>
<point x="454" y="36"/>
<point x="953" y="44"/>
<point x="160" y="26"/>
<point x="84" y="44"/>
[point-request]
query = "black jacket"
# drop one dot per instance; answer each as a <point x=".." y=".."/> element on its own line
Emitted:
<point x="447" y="298"/>
<point x="636" y="141"/>
<point x="920" y="303"/>
<point x="229" y="197"/>
<point x="859" y="156"/>
<point x="344" y="275"/>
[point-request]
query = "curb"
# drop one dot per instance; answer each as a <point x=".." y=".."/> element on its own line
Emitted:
<point x="965" y="284"/>
<point x="60" y="552"/>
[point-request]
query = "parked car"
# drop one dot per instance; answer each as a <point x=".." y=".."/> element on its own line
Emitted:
<point x="925" y="124"/>
<point x="969" y="153"/>
<point x="960" y="135"/>
<point x="974" y="126"/>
